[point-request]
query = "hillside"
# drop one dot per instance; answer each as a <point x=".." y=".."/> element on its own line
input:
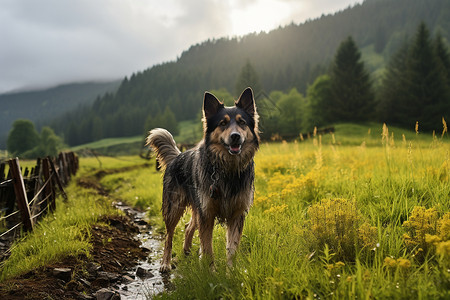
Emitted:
<point x="292" y="56"/>
<point x="41" y="105"/>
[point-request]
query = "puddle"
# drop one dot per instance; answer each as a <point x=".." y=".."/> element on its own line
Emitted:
<point x="145" y="280"/>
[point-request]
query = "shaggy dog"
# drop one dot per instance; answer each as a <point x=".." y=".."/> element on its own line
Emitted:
<point x="215" y="179"/>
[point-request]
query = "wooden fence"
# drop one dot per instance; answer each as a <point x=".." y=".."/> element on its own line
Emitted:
<point x="25" y="198"/>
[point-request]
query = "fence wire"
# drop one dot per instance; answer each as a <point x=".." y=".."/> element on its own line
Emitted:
<point x="10" y="215"/>
<point x="11" y="229"/>
<point x="41" y="189"/>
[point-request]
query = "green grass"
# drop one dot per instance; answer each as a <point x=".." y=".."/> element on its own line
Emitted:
<point x="350" y="134"/>
<point x="190" y="133"/>
<point x="66" y="231"/>
<point x="284" y="252"/>
<point x="108" y="143"/>
<point x="63" y="233"/>
<point x="282" y="255"/>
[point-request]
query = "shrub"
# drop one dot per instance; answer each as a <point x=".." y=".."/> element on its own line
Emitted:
<point x="338" y="224"/>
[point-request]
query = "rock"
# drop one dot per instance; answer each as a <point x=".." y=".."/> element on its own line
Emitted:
<point x="64" y="274"/>
<point x="106" y="294"/>
<point x="111" y="277"/>
<point x="93" y="267"/>
<point x="127" y="278"/>
<point x="140" y="221"/>
<point x="85" y="282"/>
<point x="146" y="249"/>
<point x="83" y="296"/>
<point x="143" y="273"/>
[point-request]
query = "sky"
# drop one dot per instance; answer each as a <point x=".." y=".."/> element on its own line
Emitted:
<point x="49" y="42"/>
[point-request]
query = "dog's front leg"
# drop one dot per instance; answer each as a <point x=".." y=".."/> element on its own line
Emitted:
<point x="234" y="233"/>
<point x="205" y="232"/>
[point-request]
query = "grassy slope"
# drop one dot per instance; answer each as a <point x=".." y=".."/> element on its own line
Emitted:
<point x="190" y="132"/>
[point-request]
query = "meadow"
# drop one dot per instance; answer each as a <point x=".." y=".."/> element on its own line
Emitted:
<point x="360" y="214"/>
<point x="363" y="213"/>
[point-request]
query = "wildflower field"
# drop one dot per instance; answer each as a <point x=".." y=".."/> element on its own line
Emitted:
<point x="364" y="213"/>
<point x="336" y="221"/>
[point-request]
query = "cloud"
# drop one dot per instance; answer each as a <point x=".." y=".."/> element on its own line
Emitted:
<point x="48" y="42"/>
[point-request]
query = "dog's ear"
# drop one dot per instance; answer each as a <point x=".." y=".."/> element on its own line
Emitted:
<point x="246" y="101"/>
<point x="211" y="105"/>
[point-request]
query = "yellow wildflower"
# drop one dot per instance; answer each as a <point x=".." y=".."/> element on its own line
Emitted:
<point x="390" y="262"/>
<point x="403" y="263"/>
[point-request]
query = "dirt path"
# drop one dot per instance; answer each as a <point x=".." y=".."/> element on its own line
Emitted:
<point x="111" y="267"/>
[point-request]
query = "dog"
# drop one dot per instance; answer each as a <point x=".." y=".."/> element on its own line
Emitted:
<point x="215" y="179"/>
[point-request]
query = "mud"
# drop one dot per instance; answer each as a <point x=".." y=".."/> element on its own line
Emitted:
<point x="123" y="263"/>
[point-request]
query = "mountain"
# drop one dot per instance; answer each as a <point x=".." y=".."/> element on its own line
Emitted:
<point x="41" y="105"/>
<point x="292" y="56"/>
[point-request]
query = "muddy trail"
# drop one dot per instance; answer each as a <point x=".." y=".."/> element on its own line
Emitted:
<point x="123" y="264"/>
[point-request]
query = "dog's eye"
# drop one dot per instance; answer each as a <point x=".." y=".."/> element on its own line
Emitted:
<point x="242" y="122"/>
<point x="223" y="123"/>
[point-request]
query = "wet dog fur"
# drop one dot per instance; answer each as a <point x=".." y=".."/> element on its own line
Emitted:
<point x="215" y="179"/>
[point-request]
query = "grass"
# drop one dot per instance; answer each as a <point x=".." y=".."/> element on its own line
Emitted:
<point x="63" y="233"/>
<point x="360" y="194"/>
<point x="66" y="231"/>
<point x="108" y="143"/>
<point x="328" y="221"/>
<point x="190" y="132"/>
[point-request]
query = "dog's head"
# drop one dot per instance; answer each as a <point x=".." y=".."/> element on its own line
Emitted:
<point x="231" y="131"/>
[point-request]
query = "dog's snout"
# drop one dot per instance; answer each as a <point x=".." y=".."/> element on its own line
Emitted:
<point x="235" y="137"/>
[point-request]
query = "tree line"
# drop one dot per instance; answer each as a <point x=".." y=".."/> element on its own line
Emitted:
<point x="291" y="57"/>
<point x="415" y="88"/>
<point x="25" y="141"/>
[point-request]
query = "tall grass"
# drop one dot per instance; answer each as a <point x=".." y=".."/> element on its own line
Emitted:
<point x="328" y="222"/>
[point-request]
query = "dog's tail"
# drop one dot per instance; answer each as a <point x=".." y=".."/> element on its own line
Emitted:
<point x="162" y="142"/>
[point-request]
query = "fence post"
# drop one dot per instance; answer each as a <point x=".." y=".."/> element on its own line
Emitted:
<point x="21" y="194"/>
<point x="49" y="190"/>
<point x="2" y="172"/>
<point x="57" y="179"/>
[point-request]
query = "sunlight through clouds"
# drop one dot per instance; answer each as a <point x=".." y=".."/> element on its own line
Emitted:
<point x="65" y="41"/>
<point x="257" y="16"/>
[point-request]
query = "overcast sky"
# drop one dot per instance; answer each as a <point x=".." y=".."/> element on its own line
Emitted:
<point x="49" y="42"/>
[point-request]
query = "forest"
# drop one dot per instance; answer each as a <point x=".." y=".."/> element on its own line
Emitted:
<point x="293" y="59"/>
<point x="43" y="104"/>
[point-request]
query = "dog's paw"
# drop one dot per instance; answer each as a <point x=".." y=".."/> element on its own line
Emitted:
<point x="165" y="268"/>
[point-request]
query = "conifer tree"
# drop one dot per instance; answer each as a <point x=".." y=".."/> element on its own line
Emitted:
<point x="428" y="92"/>
<point x="394" y="88"/>
<point x="443" y="55"/>
<point x="353" y="98"/>
<point x="247" y="78"/>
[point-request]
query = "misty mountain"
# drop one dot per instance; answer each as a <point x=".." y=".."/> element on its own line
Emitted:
<point x="41" y="105"/>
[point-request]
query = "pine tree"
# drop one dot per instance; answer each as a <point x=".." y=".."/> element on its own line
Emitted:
<point x="428" y="90"/>
<point x="394" y="88"/>
<point x="443" y="55"/>
<point x="247" y="78"/>
<point x="353" y="98"/>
